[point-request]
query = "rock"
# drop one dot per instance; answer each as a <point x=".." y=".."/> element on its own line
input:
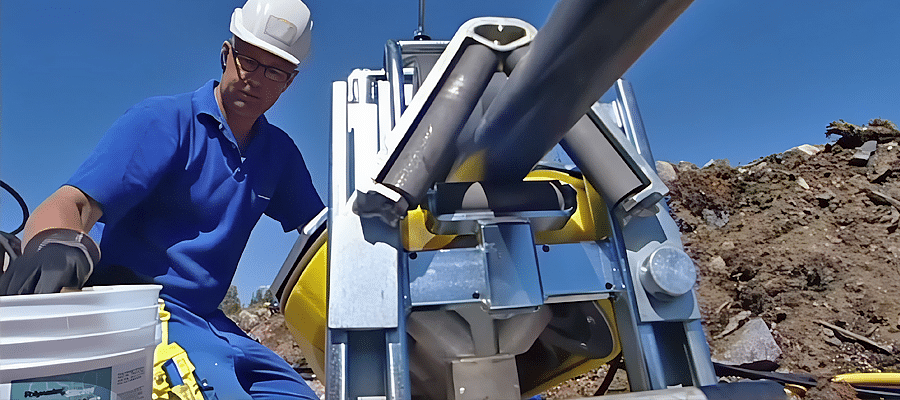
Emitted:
<point x="686" y="166"/>
<point x="722" y="162"/>
<point x="715" y="218"/>
<point x="733" y="323"/>
<point x="802" y="183"/>
<point x="717" y="264"/>
<point x="861" y="157"/>
<point x="750" y="343"/>
<point x="881" y="198"/>
<point x="247" y="320"/>
<point x="884" y="162"/>
<point x="666" y="171"/>
<point x="807" y="149"/>
<point x="825" y="197"/>
<point x="760" y="168"/>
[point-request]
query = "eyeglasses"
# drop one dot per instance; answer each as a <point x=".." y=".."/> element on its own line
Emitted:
<point x="250" y="64"/>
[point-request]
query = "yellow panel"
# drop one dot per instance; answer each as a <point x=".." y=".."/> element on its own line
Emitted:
<point x="577" y="365"/>
<point x="587" y="224"/>
<point x="470" y="169"/>
<point x="416" y="236"/>
<point x="306" y="310"/>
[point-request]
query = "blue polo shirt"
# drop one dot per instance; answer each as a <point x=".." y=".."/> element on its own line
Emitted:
<point x="179" y="199"/>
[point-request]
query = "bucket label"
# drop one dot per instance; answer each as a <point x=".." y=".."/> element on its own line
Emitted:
<point x="119" y="382"/>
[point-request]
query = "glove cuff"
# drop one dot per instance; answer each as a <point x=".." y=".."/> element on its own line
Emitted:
<point x="65" y="236"/>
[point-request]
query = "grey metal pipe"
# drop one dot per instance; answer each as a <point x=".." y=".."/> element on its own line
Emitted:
<point x="420" y="30"/>
<point x="393" y="64"/>
<point x="602" y="161"/>
<point x="634" y="124"/>
<point x="428" y="153"/>
<point x="745" y="390"/>
<point x="579" y="53"/>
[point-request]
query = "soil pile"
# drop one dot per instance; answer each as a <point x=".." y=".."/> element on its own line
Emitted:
<point x="806" y="240"/>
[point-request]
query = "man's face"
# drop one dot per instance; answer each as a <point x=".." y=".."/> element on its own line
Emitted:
<point x="248" y="94"/>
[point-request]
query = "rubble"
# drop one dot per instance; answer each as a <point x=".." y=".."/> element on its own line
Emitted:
<point x="852" y="136"/>
<point x="811" y="238"/>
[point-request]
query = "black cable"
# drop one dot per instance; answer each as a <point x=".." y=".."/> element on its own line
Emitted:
<point x="610" y="374"/>
<point x="21" y="204"/>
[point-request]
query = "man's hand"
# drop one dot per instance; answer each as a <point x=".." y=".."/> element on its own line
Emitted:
<point x="53" y="259"/>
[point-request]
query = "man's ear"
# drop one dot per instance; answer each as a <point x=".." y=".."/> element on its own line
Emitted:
<point x="288" y="83"/>
<point x="224" y="57"/>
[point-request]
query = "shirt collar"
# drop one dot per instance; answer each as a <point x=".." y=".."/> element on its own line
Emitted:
<point x="204" y="101"/>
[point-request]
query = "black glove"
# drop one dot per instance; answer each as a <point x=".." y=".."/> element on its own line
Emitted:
<point x="52" y="259"/>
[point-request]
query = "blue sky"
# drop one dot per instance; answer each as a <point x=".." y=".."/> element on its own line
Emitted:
<point x="729" y="79"/>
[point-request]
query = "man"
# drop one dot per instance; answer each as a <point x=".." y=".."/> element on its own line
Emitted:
<point x="179" y="182"/>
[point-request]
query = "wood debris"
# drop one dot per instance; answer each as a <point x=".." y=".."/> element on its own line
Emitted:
<point x="855" y="337"/>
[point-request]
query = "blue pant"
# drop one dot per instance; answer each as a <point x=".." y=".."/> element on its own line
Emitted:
<point x="236" y="366"/>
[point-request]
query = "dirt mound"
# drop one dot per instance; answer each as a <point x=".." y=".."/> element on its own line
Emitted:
<point x="806" y="240"/>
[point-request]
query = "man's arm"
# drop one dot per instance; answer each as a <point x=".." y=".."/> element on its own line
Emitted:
<point x="67" y="208"/>
<point x="62" y="254"/>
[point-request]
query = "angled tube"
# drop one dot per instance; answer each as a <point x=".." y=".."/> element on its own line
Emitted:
<point x="580" y="52"/>
<point x="428" y="153"/>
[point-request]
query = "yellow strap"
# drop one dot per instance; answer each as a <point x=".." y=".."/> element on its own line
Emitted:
<point x="162" y="384"/>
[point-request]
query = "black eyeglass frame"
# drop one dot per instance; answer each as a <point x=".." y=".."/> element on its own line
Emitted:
<point x="269" y="71"/>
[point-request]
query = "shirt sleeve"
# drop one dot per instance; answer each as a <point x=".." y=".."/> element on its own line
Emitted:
<point x="131" y="158"/>
<point x="295" y="201"/>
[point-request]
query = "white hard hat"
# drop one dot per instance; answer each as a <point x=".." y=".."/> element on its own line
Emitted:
<point x="281" y="27"/>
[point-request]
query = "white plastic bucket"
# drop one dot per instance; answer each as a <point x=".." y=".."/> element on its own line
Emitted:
<point x="95" y="344"/>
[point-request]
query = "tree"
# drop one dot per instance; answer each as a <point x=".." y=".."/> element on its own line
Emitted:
<point x="231" y="304"/>
<point x="262" y="296"/>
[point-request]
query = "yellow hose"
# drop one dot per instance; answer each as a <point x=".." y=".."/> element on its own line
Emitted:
<point x="861" y="378"/>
